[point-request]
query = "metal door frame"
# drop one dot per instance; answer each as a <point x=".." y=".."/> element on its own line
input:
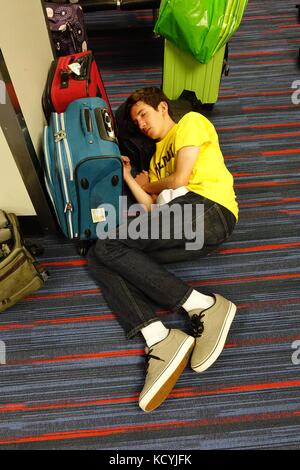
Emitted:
<point x="19" y="141"/>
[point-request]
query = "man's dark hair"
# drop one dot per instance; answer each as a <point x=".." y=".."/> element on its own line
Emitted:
<point x="150" y="95"/>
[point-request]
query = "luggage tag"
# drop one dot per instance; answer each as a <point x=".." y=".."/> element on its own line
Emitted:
<point x="98" y="215"/>
<point x="75" y="67"/>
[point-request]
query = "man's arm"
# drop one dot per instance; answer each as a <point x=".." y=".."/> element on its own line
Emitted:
<point x="138" y="192"/>
<point x="185" y="162"/>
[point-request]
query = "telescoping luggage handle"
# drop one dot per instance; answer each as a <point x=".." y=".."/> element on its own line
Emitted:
<point x="103" y="121"/>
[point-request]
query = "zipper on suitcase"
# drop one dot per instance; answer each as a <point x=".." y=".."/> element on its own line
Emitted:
<point x="66" y="144"/>
<point x="46" y="152"/>
<point x="47" y="171"/>
<point x="88" y="74"/>
<point x="59" y="135"/>
<point x="72" y="35"/>
<point x="68" y="206"/>
<point x="51" y="197"/>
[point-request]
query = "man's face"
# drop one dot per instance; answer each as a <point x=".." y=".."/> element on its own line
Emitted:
<point x="149" y="120"/>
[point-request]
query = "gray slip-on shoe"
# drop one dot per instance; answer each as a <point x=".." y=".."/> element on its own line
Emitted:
<point x="166" y="361"/>
<point x="210" y="328"/>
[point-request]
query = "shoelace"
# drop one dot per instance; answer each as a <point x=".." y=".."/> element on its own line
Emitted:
<point x="151" y="356"/>
<point x="197" y="325"/>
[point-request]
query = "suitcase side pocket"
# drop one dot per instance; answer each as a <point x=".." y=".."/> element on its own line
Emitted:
<point x="99" y="187"/>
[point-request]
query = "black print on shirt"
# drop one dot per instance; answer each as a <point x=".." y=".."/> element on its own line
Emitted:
<point x="164" y="161"/>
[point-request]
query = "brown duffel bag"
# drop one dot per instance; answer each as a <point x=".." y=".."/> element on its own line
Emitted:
<point x="20" y="273"/>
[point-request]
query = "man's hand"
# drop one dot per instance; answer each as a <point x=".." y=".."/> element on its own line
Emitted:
<point x="126" y="167"/>
<point x="142" y="178"/>
<point x="140" y="195"/>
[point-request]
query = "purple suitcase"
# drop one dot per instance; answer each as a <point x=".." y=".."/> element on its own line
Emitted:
<point x="67" y="27"/>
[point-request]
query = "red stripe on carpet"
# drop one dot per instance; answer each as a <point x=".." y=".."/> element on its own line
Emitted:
<point x="176" y="393"/>
<point x="218" y="421"/>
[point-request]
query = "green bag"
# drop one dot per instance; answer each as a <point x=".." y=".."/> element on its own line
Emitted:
<point x="200" y="27"/>
<point x="231" y="21"/>
<point x="20" y="273"/>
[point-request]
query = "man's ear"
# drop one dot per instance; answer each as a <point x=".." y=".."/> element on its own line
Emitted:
<point x="163" y="106"/>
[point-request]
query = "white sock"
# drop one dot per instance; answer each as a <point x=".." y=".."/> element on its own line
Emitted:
<point x="154" y="333"/>
<point x="198" y="300"/>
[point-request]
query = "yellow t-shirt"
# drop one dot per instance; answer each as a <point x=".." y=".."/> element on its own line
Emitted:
<point x="210" y="178"/>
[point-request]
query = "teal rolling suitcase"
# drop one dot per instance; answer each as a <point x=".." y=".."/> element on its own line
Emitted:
<point x="83" y="168"/>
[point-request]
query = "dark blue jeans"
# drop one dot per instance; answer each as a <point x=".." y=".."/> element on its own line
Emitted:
<point x="132" y="274"/>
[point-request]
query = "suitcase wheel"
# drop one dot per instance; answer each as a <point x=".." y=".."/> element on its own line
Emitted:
<point x="82" y="251"/>
<point x="83" y="247"/>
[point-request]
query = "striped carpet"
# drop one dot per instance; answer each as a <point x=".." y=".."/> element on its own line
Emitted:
<point x="71" y="379"/>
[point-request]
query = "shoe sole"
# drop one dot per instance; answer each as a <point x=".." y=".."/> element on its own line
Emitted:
<point x="166" y="381"/>
<point x="221" y="342"/>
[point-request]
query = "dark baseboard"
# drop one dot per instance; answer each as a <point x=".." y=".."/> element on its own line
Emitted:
<point x="30" y="226"/>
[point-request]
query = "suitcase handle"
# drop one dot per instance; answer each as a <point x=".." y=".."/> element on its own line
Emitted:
<point x="85" y="67"/>
<point x="87" y="124"/>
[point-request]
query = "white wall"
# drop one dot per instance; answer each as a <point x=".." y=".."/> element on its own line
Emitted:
<point x="27" y="52"/>
<point x="13" y="194"/>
